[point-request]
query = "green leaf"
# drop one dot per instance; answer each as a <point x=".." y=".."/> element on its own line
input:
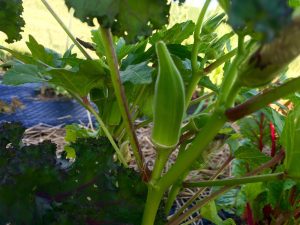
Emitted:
<point x="114" y="116"/>
<point x="97" y="39"/>
<point x="123" y="49"/>
<point x="137" y="74"/>
<point x="81" y="78"/>
<point x="11" y="133"/>
<point x="251" y="155"/>
<point x="212" y="23"/>
<point x="25" y="58"/>
<point x="22" y="74"/>
<point x="225" y="4"/>
<point x="74" y="132"/>
<point x="206" y="82"/>
<point x="228" y="199"/>
<point x="209" y="212"/>
<point x="251" y="130"/>
<point x="266" y="18"/>
<point x="276" y="191"/>
<point x="92" y="189"/>
<point x="126" y="18"/>
<point x="290" y="139"/>
<point x="11" y="21"/>
<point x="294" y="3"/>
<point x="71" y="154"/>
<point x="175" y="35"/>
<point x="40" y="53"/>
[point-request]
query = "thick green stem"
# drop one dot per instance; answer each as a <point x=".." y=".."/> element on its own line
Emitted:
<point x="236" y="181"/>
<point x="195" y="68"/>
<point x="65" y="28"/>
<point x="155" y="194"/>
<point x="186" y="158"/>
<point x="121" y="99"/>
<point x="152" y="204"/>
<point x="263" y="99"/>
<point x="175" y="189"/>
<point x="162" y="156"/>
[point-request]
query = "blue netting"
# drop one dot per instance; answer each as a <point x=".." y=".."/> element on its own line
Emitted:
<point x="52" y="112"/>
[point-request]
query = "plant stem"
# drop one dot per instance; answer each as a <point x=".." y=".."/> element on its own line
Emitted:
<point x="195" y="68"/>
<point x="152" y="204"/>
<point x="186" y="158"/>
<point x="154" y="192"/>
<point x="199" y="192"/>
<point x="122" y="102"/>
<point x="237" y="181"/>
<point x="230" y="86"/>
<point x="103" y="127"/>
<point x="141" y="91"/>
<point x="199" y="205"/>
<point x="220" y="61"/>
<point x="214" y="195"/>
<point x="262" y="100"/>
<point x="162" y="156"/>
<point x="200" y="99"/>
<point x="65" y="28"/>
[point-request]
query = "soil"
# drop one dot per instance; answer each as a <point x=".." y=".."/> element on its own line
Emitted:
<point x="47" y="93"/>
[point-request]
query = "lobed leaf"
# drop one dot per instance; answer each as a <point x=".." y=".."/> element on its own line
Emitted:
<point x="137" y="74"/>
<point x="11" y="21"/>
<point x="126" y="18"/>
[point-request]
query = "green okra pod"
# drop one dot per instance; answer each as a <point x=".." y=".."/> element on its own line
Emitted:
<point x="169" y="101"/>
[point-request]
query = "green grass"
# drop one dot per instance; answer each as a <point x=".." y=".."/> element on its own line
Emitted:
<point x="45" y="29"/>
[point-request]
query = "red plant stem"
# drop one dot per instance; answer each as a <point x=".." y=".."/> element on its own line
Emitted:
<point x="261" y="132"/>
<point x="249" y="215"/>
<point x="297" y="213"/>
<point x="293" y="195"/>
<point x="262" y="100"/>
<point x="273" y="139"/>
<point x="62" y="196"/>
<point x="85" y="100"/>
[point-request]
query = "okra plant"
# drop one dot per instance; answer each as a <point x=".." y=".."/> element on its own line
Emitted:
<point x="145" y="69"/>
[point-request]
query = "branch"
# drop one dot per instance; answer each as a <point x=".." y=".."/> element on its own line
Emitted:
<point x="122" y="101"/>
<point x="277" y="159"/>
<point x="201" y="190"/>
<point x="262" y="100"/>
<point x="236" y="181"/>
<point x="64" y="27"/>
<point x="219" y="61"/>
<point x="194" y="58"/>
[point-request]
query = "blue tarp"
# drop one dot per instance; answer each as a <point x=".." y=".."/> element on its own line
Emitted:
<point x="52" y="112"/>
